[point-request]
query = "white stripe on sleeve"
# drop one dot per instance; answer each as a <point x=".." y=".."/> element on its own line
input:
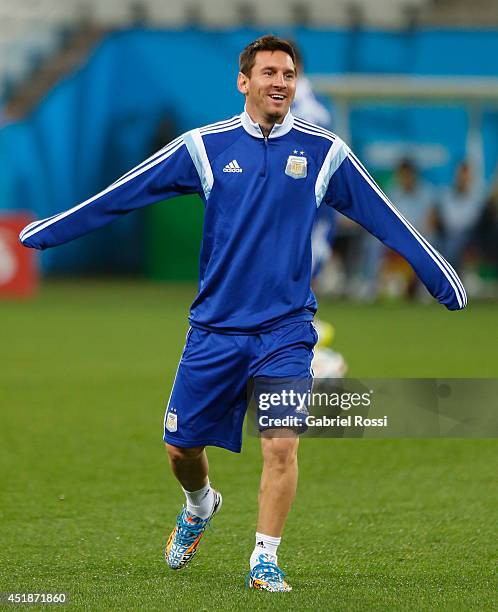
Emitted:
<point x="197" y="150"/>
<point x="336" y="155"/>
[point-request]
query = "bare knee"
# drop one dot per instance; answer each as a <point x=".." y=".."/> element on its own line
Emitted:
<point x="279" y="452"/>
<point x="177" y="454"/>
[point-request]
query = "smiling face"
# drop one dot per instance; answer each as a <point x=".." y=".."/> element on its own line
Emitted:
<point x="269" y="88"/>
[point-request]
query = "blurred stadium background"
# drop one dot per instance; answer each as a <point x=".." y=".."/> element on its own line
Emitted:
<point x="90" y="88"/>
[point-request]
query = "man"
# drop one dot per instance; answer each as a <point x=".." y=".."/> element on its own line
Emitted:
<point x="414" y="198"/>
<point x="326" y="362"/>
<point x="306" y="105"/>
<point x="261" y="175"/>
<point x="459" y="209"/>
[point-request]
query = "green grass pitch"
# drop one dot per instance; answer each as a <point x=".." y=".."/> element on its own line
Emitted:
<point x="87" y="499"/>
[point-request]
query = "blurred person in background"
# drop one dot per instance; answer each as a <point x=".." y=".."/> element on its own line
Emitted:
<point x="369" y="257"/>
<point x="326" y="363"/>
<point x="306" y="104"/>
<point x="415" y="199"/>
<point x="261" y="174"/>
<point x="459" y="208"/>
<point x="486" y="234"/>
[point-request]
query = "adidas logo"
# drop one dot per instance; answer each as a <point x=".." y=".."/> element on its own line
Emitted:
<point x="233" y="166"/>
<point x="261" y="544"/>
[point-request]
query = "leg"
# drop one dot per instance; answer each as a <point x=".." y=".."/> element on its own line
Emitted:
<point x="278" y="481"/>
<point x="283" y="367"/>
<point x="276" y="494"/>
<point x="189" y="465"/>
<point x="206" y="406"/>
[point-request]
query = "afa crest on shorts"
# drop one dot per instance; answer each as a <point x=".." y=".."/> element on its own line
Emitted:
<point x="172" y="421"/>
<point x="297" y="167"/>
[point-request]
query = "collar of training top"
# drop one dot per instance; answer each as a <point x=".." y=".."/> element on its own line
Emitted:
<point x="279" y="129"/>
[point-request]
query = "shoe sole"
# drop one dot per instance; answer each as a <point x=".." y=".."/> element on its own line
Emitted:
<point x="190" y="553"/>
<point x="261" y="585"/>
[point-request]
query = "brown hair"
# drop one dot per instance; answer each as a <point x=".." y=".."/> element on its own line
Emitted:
<point x="269" y="42"/>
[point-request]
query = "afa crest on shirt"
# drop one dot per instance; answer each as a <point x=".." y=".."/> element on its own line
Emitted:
<point x="297" y="167"/>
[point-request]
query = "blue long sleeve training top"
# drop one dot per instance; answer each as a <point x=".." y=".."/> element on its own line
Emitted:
<point x="261" y="196"/>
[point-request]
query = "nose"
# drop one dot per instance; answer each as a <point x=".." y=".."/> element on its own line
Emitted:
<point x="279" y="80"/>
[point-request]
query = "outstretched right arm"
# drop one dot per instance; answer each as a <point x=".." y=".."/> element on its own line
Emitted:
<point x="169" y="172"/>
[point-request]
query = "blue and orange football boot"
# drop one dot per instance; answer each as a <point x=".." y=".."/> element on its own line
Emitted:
<point x="184" y="540"/>
<point x="267" y="576"/>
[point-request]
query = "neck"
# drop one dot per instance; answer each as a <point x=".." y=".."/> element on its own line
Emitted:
<point x="266" y="129"/>
<point x="265" y="123"/>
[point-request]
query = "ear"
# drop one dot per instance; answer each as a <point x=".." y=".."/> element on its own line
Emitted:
<point x="242" y="83"/>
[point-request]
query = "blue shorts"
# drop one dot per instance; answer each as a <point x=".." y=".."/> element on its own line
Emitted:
<point x="209" y="398"/>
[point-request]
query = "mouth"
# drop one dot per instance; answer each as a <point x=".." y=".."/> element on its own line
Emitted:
<point x="277" y="97"/>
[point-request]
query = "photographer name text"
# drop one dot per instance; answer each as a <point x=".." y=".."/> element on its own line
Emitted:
<point x="322" y="421"/>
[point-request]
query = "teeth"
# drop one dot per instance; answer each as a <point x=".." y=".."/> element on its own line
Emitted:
<point x="276" y="97"/>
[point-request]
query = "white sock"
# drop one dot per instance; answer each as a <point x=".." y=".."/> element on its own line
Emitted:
<point x="265" y="544"/>
<point x="200" y="502"/>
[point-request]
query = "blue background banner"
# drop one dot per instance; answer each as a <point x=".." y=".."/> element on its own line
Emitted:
<point x="103" y="119"/>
